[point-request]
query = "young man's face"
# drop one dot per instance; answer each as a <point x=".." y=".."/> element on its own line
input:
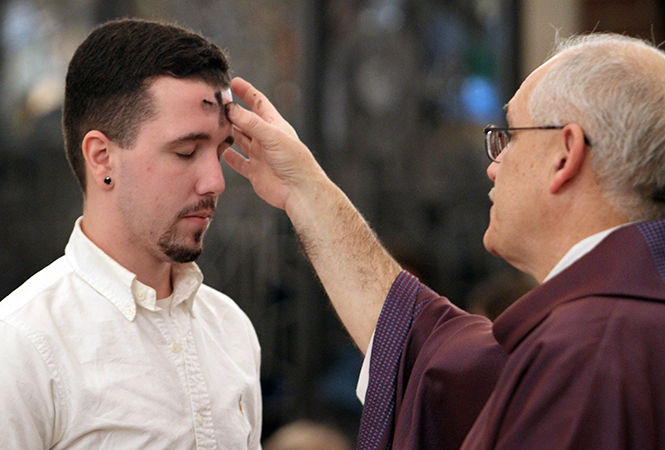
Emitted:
<point x="169" y="181"/>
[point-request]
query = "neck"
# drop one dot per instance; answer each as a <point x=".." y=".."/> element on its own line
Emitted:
<point x="570" y="233"/>
<point x="151" y="270"/>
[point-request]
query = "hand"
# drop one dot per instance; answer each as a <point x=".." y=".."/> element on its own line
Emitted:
<point x="277" y="161"/>
<point x="355" y="270"/>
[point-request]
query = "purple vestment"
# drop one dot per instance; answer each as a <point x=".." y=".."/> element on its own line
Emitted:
<point x="579" y="362"/>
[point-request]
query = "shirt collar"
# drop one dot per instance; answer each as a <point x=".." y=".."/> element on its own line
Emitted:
<point x="578" y="250"/>
<point x="119" y="285"/>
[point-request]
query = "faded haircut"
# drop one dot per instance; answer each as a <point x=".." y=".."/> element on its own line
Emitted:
<point x="109" y="75"/>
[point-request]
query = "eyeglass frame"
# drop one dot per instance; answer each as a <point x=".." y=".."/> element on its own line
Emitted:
<point x="490" y="128"/>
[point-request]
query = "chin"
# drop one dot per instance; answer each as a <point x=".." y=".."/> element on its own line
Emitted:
<point x="182" y="247"/>
<point x="487" y="243"/>
<point x="183" y="255"/>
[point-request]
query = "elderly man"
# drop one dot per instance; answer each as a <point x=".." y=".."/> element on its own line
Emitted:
<point x="578" y="203"/>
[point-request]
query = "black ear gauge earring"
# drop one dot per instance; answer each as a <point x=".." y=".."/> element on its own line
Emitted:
<point x="107" y="180"/>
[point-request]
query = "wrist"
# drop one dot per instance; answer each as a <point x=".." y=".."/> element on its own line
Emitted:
<point x="311" y="199"/>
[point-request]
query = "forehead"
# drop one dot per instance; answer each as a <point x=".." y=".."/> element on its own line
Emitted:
<point x="518" y="106"/>
<point x="173" y="96"/>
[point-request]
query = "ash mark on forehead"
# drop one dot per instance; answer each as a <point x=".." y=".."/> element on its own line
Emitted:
<point x="218" y="103"/>
<point x="222" y="110"/>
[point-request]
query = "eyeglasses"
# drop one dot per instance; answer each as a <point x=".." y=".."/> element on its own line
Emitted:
<point x="497" y="138"/>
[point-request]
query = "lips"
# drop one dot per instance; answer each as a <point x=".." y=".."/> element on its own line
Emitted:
<point x="205" y="209"/>
<point x="199" y="218"/>
<point x="201" y="214"/>
<point x="490" y="194"/>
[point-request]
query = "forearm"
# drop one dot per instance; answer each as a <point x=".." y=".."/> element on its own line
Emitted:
<point x="354" y="268"/>
<point x="356" y="271"/>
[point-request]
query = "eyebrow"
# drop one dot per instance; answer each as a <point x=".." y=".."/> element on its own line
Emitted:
<point x="189" y="138"/>
<point x="507" y="112"/>
<point x="193" y="137"/>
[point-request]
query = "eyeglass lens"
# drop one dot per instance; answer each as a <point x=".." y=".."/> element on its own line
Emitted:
<point x="496" y="142"/>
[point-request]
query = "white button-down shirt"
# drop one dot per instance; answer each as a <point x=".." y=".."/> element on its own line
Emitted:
<point x="90" y="358"/>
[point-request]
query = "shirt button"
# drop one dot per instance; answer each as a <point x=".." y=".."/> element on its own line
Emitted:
<point x="175" y="347"/>
<point x="140" y="294"/>
<point x="199" y="417"/>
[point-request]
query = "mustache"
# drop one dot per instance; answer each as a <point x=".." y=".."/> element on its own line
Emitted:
<point x="206" y="204"/>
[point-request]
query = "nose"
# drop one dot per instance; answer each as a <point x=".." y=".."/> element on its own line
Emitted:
<point x="491" y="170"/>
<point x="211" y="180"/>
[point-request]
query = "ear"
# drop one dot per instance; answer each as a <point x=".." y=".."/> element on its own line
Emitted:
<point x="571" y="155"/>
<point x="96" y="148"/>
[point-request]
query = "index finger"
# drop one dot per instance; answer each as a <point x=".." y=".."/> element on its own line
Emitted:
<point x="254" y="99"/>
<point x="259" y="104"/>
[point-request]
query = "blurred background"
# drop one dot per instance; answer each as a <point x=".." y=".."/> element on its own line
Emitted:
<point x="390" y="95"/>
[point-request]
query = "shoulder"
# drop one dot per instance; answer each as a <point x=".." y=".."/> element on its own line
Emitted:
<point x="32" y="314"/>
<point x="37" y="292"/>
<point x="597" y="334"/>
<point x="600" y="315"/>
<point x="597" y="358"/>
<point x="221" y="309"/>
<point x="218" y="301"/>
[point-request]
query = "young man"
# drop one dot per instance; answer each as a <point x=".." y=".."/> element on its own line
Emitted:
<point x="578" y="203"/>
<point x="118" y="344"/>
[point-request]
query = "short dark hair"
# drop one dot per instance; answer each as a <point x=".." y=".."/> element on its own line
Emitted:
<point x="109" y="75"/>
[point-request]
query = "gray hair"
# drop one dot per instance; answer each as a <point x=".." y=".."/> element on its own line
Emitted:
<point x="613" y="86"/>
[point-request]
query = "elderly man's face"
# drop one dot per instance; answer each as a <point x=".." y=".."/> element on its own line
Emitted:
<point x="520" y="182"/>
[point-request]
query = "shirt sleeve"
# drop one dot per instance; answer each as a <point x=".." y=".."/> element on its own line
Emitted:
<point x="255" y="437"/>
<point x="387" y="343"/>
<point x="432" y="368"/>
<point x="363" y="378"/>
<point x="27" y="386"/>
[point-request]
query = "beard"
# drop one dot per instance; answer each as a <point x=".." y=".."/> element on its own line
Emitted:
<point x="176" y="251"/>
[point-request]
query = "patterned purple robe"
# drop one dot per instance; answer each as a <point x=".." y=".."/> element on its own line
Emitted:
<point x="579" y="362"/>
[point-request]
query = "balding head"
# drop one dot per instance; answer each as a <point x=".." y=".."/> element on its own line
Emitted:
<point x="614" y="87"/>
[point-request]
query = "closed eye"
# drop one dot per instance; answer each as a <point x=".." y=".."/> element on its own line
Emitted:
<point x="186" y="151"/>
